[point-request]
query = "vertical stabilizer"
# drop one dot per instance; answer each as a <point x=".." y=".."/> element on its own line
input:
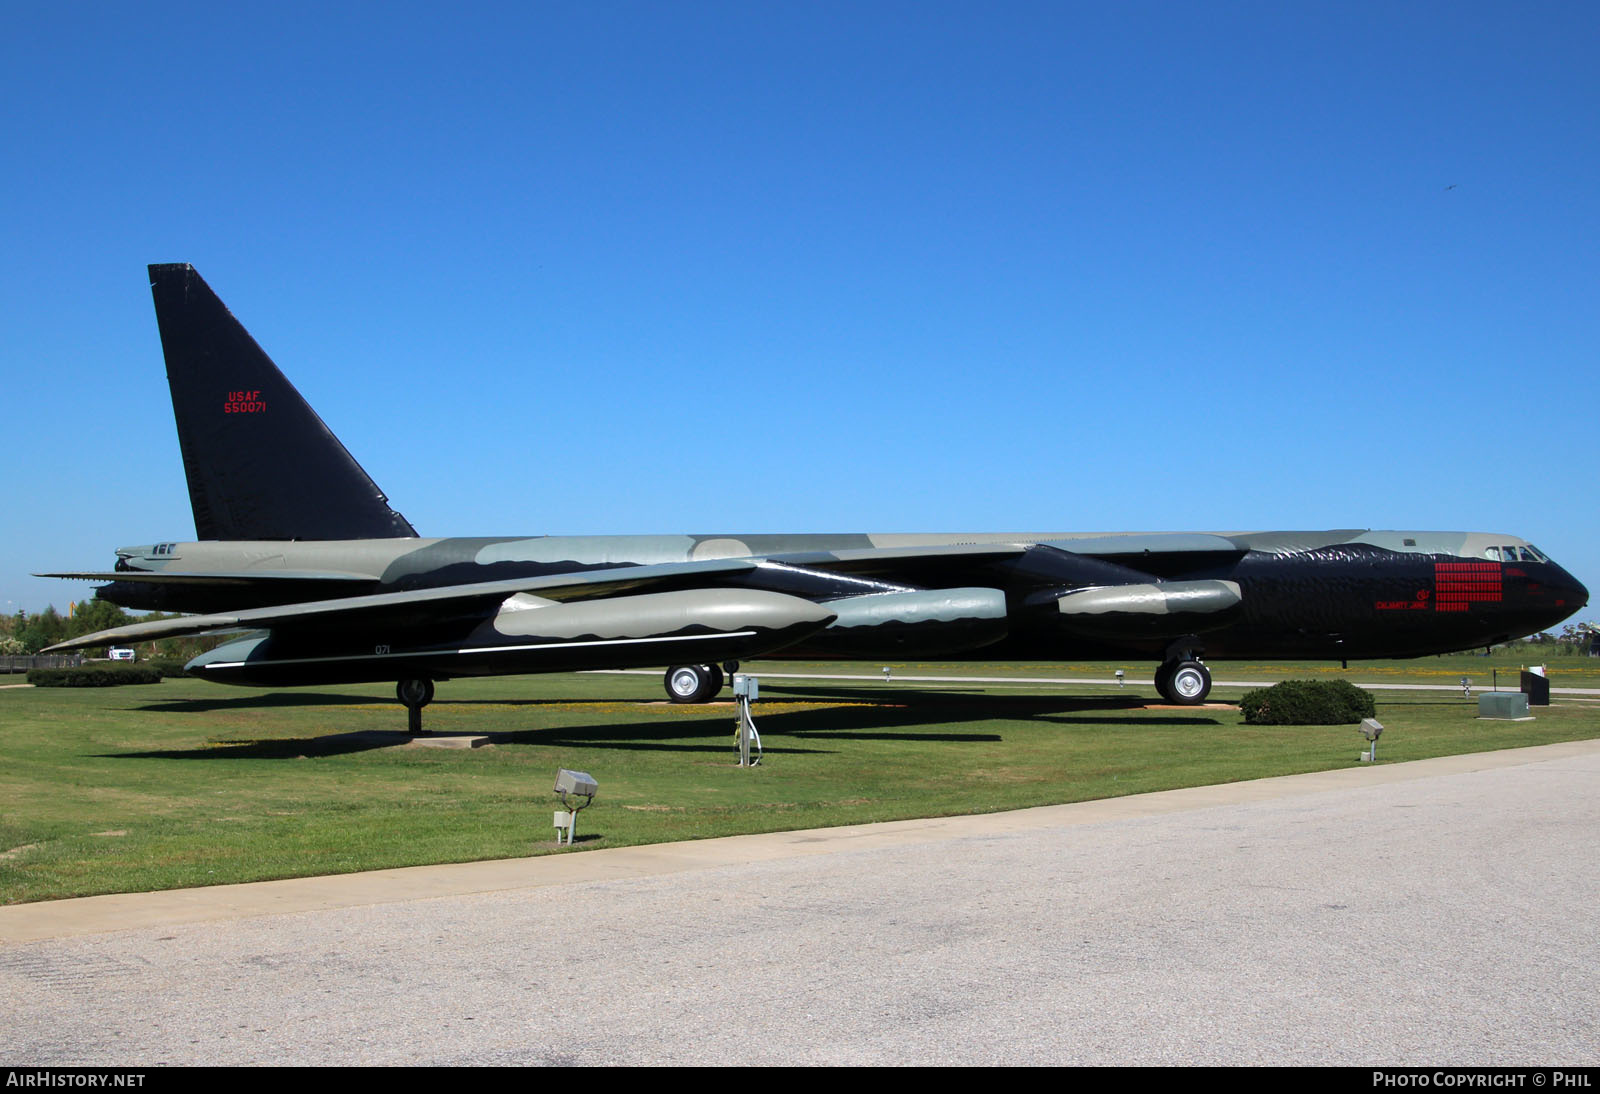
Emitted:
<point x="260" y="462"/>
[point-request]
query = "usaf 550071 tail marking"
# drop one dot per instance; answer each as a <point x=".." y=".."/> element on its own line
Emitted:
<point x="297" y="546"/>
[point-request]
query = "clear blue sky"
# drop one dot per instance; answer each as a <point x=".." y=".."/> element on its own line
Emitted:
<point x="594" y="268"/>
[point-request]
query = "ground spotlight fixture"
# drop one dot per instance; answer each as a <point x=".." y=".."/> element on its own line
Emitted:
<point x="577" y="790"/>
<point x="1466" y="688"/>
<point x="1371" y="729"/>
<point x="1120" y="675"/>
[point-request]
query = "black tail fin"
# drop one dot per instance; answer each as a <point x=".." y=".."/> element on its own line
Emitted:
<point x="261" y="463"/>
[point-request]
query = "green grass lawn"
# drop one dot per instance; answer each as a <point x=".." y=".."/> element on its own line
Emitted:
<point x="186" y="783"/>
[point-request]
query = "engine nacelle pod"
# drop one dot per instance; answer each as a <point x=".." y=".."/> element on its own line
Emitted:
<point x="1137" y="611"/>
<point x="922" y="623"/>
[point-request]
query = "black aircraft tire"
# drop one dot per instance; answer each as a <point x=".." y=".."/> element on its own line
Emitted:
<point x="1164" y="680"/>
<point x="416" y="691"/>
<point x="689" y="683"/>
<point x="1189" y="683"/>
<point x="717" y="680"/>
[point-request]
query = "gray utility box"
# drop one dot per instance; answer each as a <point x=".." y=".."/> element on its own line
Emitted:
<point x="1509" y="705"/>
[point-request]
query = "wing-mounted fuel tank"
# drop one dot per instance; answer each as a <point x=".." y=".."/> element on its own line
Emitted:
<point x="917" y="623"/>
<point x="1142" y="610"/>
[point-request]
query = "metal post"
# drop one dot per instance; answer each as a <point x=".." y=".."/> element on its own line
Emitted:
<point x="746" y="688"/>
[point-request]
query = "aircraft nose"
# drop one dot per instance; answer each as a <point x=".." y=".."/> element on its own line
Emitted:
<point x="1550" y="588"/>
<point x="1579" y="596"/>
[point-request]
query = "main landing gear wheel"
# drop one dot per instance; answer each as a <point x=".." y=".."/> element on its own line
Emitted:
<point x="693" y="683"/>
<point x="1184" y="683"/>
<point x="414" y="694"/>
<point x="1164" y="679"/>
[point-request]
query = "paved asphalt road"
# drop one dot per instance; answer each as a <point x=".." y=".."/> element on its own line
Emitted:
<point x="1437" y="913"/>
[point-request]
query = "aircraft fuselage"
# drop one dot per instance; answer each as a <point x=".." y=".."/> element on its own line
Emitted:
<point x="1336" y="595"/>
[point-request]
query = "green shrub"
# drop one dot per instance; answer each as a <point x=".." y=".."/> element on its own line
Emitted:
<point x="1307" y="703"/>
<point x="167" y="666"/>
<point x="93" y="676"/>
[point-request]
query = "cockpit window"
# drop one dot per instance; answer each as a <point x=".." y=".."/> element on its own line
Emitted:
<point x="1511" y="553"/>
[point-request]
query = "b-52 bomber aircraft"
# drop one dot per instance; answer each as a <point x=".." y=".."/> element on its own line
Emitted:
<point x="297" y="547"/>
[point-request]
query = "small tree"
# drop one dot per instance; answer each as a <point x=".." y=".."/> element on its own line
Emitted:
<point x="95" y="615"/>
<point x="45" y="629"/>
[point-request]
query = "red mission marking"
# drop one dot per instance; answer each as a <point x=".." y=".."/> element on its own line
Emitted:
<point x="1460" y="584"/>
<point x="1457" y="585"/>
